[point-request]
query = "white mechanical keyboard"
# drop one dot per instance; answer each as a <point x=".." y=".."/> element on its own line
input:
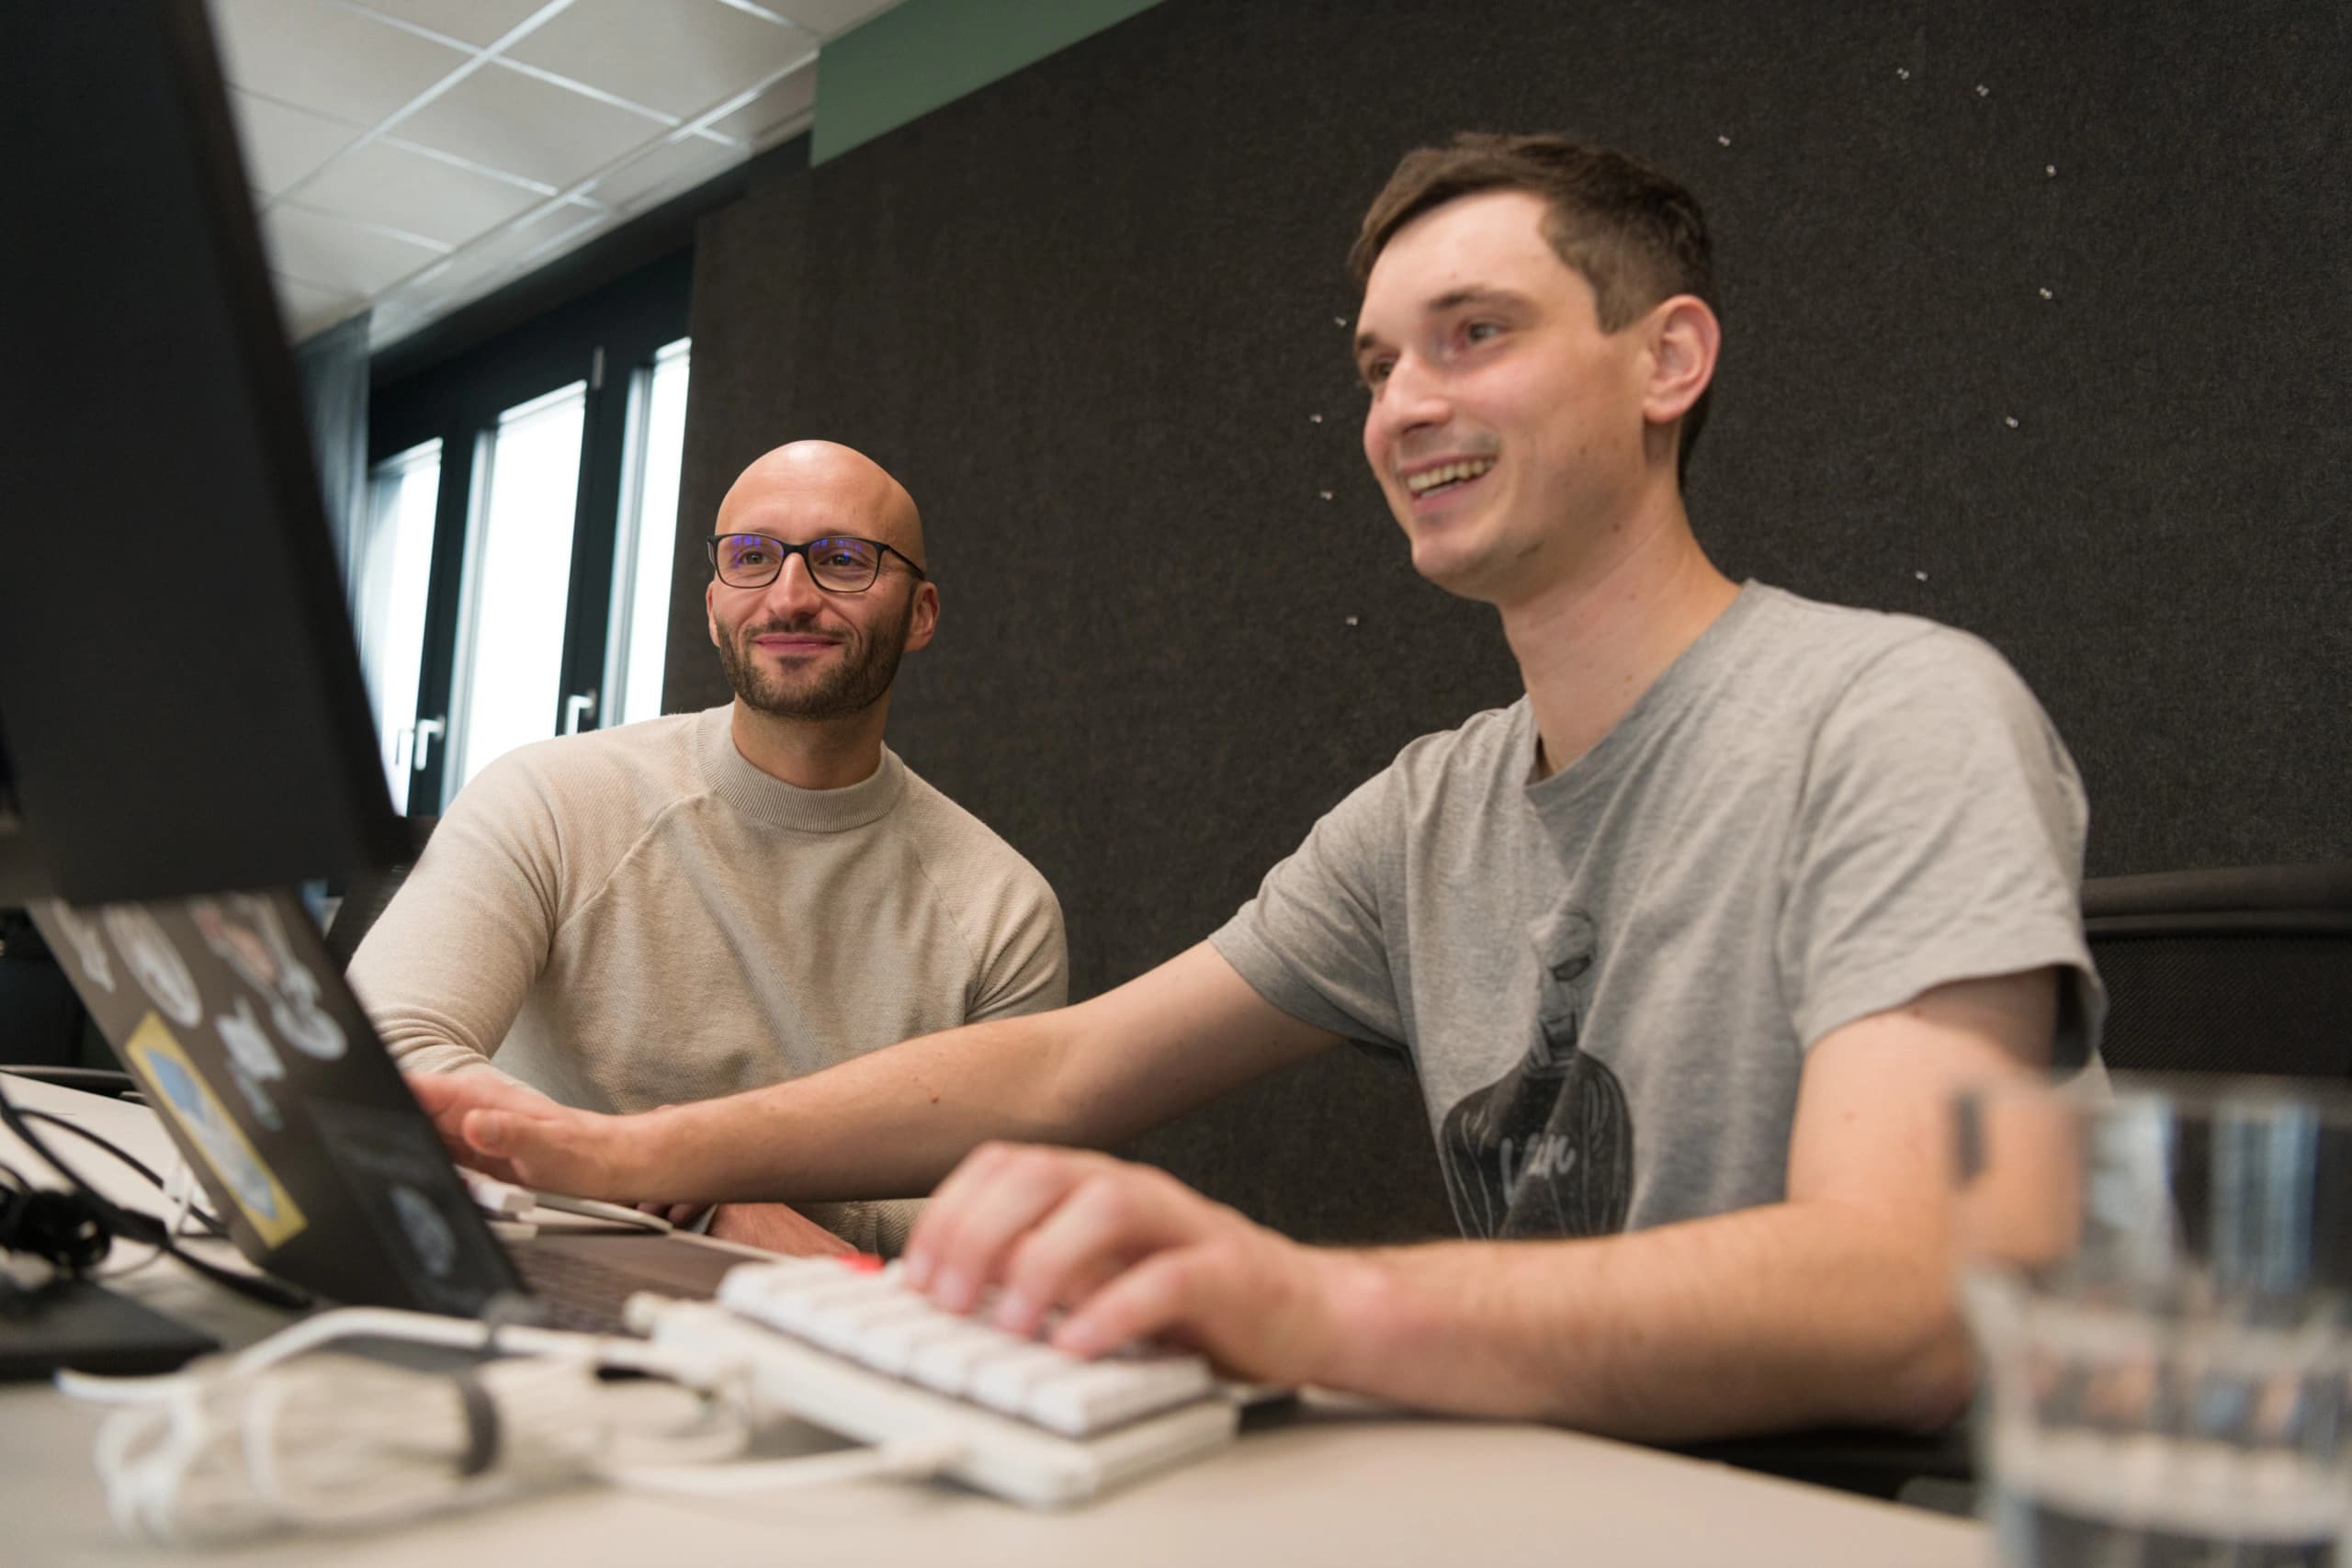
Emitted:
<point x="848" y="1346"/>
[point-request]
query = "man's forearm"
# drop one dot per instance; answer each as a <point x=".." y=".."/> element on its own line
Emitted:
<point x="889" y="1124"/>
<point x="893" y="1122"/>
<point x="1776" y="1317"/>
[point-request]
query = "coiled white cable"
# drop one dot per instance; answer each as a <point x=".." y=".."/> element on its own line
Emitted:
<point x="263" y="1441"/>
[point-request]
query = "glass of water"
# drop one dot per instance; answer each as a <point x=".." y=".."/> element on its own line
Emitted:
<point x="2157" y="1275"/>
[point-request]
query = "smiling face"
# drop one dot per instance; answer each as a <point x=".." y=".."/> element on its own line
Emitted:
<point x="791" y="649"/>
<point x="1507" y="429"/>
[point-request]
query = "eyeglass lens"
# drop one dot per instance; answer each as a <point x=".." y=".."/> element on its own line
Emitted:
<point x="754" y="561"/>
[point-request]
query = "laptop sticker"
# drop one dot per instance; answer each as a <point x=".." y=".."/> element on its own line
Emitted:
<point x="246" y="932"/>
<point x="429" y="1237"/>
<point x="154" y="963"/>
<point x="253" y="1060"/>
<point x="89" y="947"/>
<point x="394" y="1165"/>
<point x="174" y="1083"/>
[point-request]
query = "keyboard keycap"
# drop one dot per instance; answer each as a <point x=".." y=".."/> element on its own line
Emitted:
<point x="948" y="1363"/>
<point x="1106" y="1393"/>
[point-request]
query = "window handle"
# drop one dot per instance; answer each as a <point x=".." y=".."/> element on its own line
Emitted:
<point x="428" y="730"/>
<point x="579" y="706"/>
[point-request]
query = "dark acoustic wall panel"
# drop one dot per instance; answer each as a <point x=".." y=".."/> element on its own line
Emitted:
<point x="2036" y="326"/>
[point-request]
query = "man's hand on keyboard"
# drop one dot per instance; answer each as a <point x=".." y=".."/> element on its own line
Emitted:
<point x="1130" y="1253"/>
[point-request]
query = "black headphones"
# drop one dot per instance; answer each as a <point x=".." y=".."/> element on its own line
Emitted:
<point x="63" y="1227"/>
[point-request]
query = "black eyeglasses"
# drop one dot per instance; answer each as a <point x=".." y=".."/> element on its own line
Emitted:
<point x="837" y="565"/>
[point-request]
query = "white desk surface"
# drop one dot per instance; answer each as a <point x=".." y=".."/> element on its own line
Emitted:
<point x="1332" y="1485"/>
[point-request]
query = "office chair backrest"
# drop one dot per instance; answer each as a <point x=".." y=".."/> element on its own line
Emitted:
<point x="2246" y="969"/>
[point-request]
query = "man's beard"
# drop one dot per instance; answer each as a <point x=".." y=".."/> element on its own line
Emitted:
<point x="855" y="683"/>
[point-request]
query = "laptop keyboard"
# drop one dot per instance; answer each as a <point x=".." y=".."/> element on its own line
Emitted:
<point x="583" y="1294"/>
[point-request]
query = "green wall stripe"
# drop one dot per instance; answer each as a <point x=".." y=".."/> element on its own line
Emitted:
<point x="913" y="59"/>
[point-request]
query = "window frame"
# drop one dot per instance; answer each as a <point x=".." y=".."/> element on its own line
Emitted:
<point x="604" y="337"/>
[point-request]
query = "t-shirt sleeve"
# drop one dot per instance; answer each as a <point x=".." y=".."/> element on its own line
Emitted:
<point x="1940" y="838"/>
<point x="1312" y="942"/>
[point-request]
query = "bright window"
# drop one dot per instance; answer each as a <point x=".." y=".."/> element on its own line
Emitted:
<point x="646" y="544"/>
<point x="510" y="649"/>
<point x="392" y="569"/>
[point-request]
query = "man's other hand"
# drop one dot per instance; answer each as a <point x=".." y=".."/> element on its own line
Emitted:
<point x="516" y="1134"/>
<point x="775" y="1226"/>
<point x="1130" y="1253"/>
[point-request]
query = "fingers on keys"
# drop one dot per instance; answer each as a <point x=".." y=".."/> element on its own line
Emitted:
<point x="1053" y="1228"/>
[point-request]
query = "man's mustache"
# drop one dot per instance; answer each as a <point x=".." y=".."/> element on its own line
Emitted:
<point x="802" y="627"/>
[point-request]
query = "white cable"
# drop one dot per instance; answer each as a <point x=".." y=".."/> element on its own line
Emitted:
<point x="240" y="1446"/>
<point x="376" y="1323"/>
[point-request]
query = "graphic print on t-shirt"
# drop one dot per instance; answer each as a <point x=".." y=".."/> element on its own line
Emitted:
<point x="1547" y="1149"/>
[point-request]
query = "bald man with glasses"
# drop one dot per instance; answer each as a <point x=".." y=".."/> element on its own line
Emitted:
<point x="707" y="903"/>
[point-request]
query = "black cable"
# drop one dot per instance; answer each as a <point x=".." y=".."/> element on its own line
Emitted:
<point x="109" y="1081"/>
<point x="204" y="1217"/>
<point x="146" y="1229"/>
<point x="57" y="1226"/>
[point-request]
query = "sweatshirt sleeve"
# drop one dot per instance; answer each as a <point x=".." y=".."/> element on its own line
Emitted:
<point x="1025" y="969"/>
<point x="442" y="973"/>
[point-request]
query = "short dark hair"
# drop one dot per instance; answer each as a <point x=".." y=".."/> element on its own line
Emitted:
<point x="1634" y="234"/>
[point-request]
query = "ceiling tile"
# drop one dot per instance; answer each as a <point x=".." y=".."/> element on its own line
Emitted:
<point x="551" y="232"/>
<point x="507" y="121"/>
<point x="477" y="22"/>
<point x="674" y="166"/>
<point x="307" y="309"/>
<point x="756" y="122"/>
<point x="329" y="61"/>
<point x="281" y="144"/>
<point x="408" y="189"/>
<point x="682" y="58"/>
<point x="827" y="18"/>
<point x="484" y="266"/>
<point x="334" y="253"/>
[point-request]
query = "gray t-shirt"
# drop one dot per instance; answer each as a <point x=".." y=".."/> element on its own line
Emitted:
<point x="1607" y="980"/>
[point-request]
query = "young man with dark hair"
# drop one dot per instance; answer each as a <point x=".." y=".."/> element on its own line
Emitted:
<point x="1688" y="947"/>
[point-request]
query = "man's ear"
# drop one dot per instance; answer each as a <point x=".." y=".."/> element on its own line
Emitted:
<point x="1685" y="339"/>
<point x="710" y="608"/>
<point x="925" y="620"/>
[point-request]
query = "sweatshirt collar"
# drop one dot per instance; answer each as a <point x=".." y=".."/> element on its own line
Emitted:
<point x="770" y="802"/>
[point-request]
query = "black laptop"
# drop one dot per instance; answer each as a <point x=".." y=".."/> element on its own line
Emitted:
<point x="181" y="709"/>
<point x="261" y="1064"/>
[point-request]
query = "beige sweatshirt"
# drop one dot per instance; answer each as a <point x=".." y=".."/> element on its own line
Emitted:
<point x="640" y="916"/>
